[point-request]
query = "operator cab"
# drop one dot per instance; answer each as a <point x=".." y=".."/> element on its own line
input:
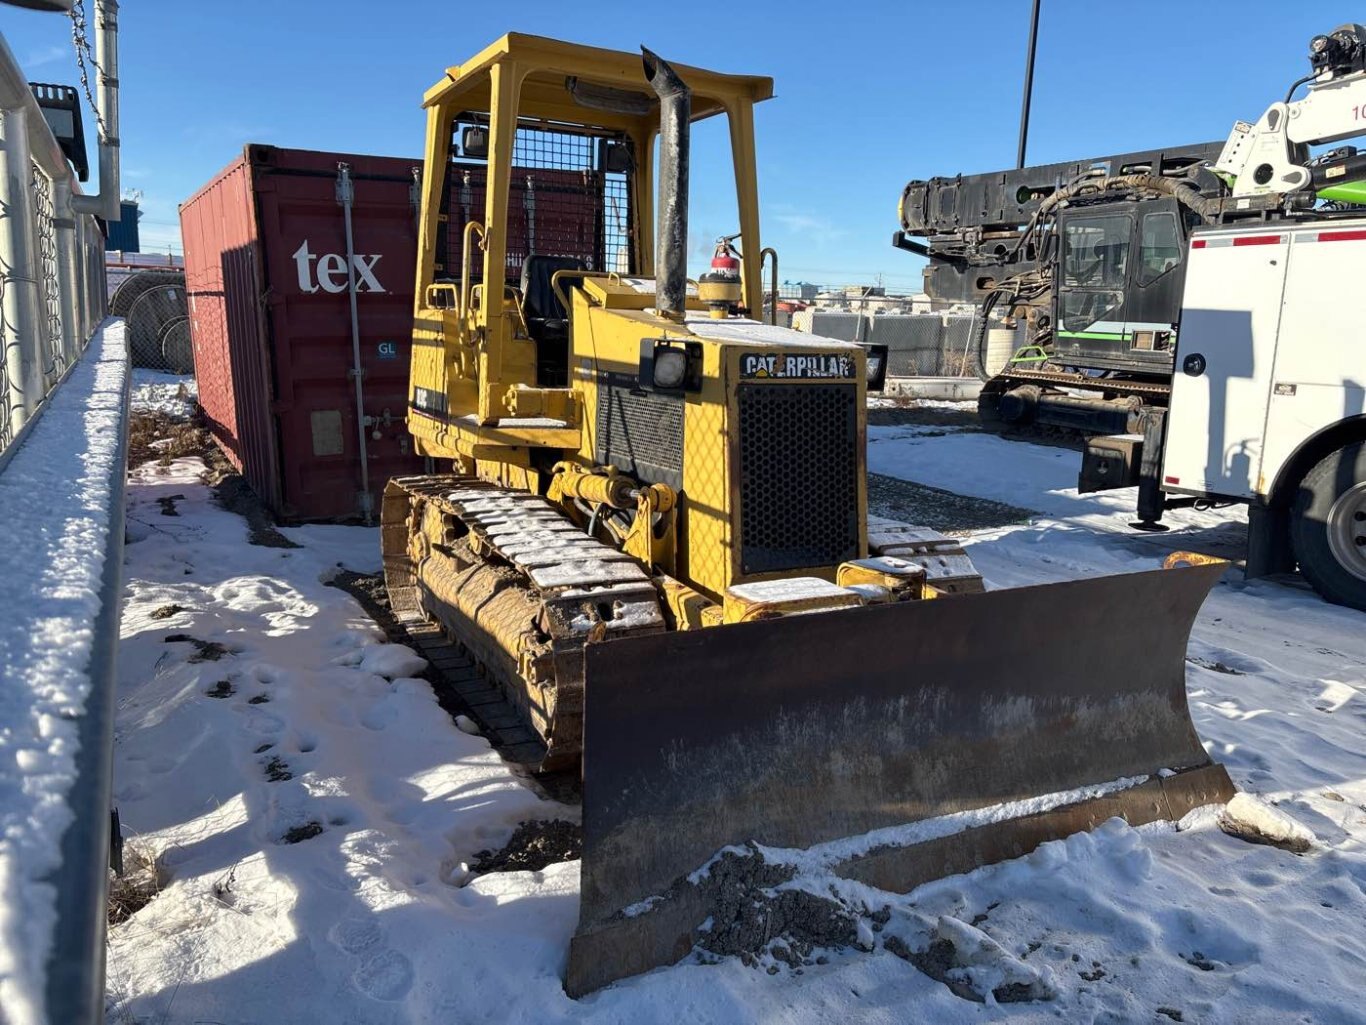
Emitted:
<point x="570" y="208"/>
<point x="1122" y="273"/>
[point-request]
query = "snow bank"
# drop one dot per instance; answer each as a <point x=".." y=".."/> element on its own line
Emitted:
<point x="174" y="395"/>
<point x="1252" y="819"/>
<point x="56" y="495"/>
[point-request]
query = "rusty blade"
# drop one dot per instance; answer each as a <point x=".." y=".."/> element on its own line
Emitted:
<point x="796" y="731"/>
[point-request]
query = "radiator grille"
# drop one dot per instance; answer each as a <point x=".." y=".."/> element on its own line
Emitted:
<point x="641" y="433"/>
<point x="798" y="476"/>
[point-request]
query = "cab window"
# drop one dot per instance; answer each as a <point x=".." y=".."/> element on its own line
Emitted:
<point x="1160" y="246"/>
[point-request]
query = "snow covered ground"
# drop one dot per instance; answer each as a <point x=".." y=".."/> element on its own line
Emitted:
<point x="157" y="392"/>
<point x="372" y="916"/>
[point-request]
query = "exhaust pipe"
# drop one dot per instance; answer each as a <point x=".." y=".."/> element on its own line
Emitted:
<point x="671" y="243"/>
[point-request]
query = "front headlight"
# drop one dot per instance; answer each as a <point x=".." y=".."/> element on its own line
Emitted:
<point x="671" y="366"/>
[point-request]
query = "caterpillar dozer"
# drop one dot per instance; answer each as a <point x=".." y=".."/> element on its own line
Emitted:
<point x="651" y="534"/>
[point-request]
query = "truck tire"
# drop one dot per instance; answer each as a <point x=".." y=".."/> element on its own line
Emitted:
<point x="1328" y="526"/>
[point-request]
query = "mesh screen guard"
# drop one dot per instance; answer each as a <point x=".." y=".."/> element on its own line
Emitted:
<point x="562" y="199"/>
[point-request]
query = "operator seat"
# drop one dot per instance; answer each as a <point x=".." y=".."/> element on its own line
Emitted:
<point x="547" y="320"/>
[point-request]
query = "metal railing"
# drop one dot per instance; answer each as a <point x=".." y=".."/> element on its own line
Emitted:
<point x="51" y="262"/>
<point x="69" y="398"/>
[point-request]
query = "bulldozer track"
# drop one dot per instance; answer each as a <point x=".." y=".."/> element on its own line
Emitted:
<point x="540" y="575"/>
<point x="488" y="704"/>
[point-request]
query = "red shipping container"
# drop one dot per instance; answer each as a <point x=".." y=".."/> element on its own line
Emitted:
<point x="270" y="315"/>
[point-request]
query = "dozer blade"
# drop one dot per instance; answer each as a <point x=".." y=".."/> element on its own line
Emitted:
<point x="795" y="731"/>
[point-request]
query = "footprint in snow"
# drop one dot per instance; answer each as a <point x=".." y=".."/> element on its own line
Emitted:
<point x="387" y="975"/>
<point x="354" y="935"/>
<point x="379" y="716"/>
<point x="260" y="721"/>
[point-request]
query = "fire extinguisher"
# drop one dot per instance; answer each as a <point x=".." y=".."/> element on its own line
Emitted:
<point x="719" y="288"/>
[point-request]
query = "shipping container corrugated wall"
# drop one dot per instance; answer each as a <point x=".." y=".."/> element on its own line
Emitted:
<point x="266" y="273"/>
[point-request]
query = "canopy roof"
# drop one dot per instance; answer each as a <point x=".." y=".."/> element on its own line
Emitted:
<point x="548" y="65"/>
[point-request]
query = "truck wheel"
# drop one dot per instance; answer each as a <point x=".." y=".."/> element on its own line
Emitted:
<point x="1328" y="528"/>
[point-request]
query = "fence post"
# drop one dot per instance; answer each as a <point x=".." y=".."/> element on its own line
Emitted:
<point x="20" y="302"/>
<point x="64" y="227"/>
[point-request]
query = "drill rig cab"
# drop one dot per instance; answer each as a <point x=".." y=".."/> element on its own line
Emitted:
<point x="652" y="536"/>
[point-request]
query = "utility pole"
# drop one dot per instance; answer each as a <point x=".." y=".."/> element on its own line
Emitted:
<point x="1028" y="84"/>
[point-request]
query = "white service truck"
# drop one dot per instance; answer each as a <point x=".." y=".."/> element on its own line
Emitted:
<point x="1268" y="403"/>
<point x="1268" y="397"/>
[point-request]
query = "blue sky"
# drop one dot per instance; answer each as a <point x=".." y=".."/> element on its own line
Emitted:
<point x="868" y="95"/>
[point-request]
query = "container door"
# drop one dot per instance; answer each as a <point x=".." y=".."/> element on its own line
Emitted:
<point x="319" y="422"/>
<point x="1225" y="358"/>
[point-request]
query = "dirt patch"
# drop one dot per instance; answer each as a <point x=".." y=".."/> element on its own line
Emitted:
<point x="167" y="611"/>
<point x="1199" y="960"/>
<point x="1215" y="666"/>
<point x="943" y="962"/>
<point x="298" y="834"/>
<point x="1175" y="1014"/>
<point x="369" y="590"/>
<point x="143" y="878"/>
<point x="910" y="413"/>
<point x="937" y="509"/>
<point x="533" y="846"/>
<point x="156" y="436"/>
<point x="750" y="918"/>
<point x="234" y="494"/>
<point x="937" y="961"/>
<point x="204" y="651"/>
<point x="964" y="417"/>
<point x="259" y="699"/>
<point x="221" y="689"/>
<point x="277" y="770"/>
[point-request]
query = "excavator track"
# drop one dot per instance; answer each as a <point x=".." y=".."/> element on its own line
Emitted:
<point x="1065" y="379"/>
<point x="500" y="591"/>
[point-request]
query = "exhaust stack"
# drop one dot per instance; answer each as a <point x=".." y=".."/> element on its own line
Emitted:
<point x="671" y="242"/>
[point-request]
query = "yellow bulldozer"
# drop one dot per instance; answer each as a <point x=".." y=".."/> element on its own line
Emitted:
<point x="653" y="536"/>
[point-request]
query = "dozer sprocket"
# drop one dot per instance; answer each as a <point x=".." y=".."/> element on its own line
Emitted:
<point x="522" y="589"/>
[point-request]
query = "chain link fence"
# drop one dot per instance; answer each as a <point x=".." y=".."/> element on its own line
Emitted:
<point x="159" y="326"/>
